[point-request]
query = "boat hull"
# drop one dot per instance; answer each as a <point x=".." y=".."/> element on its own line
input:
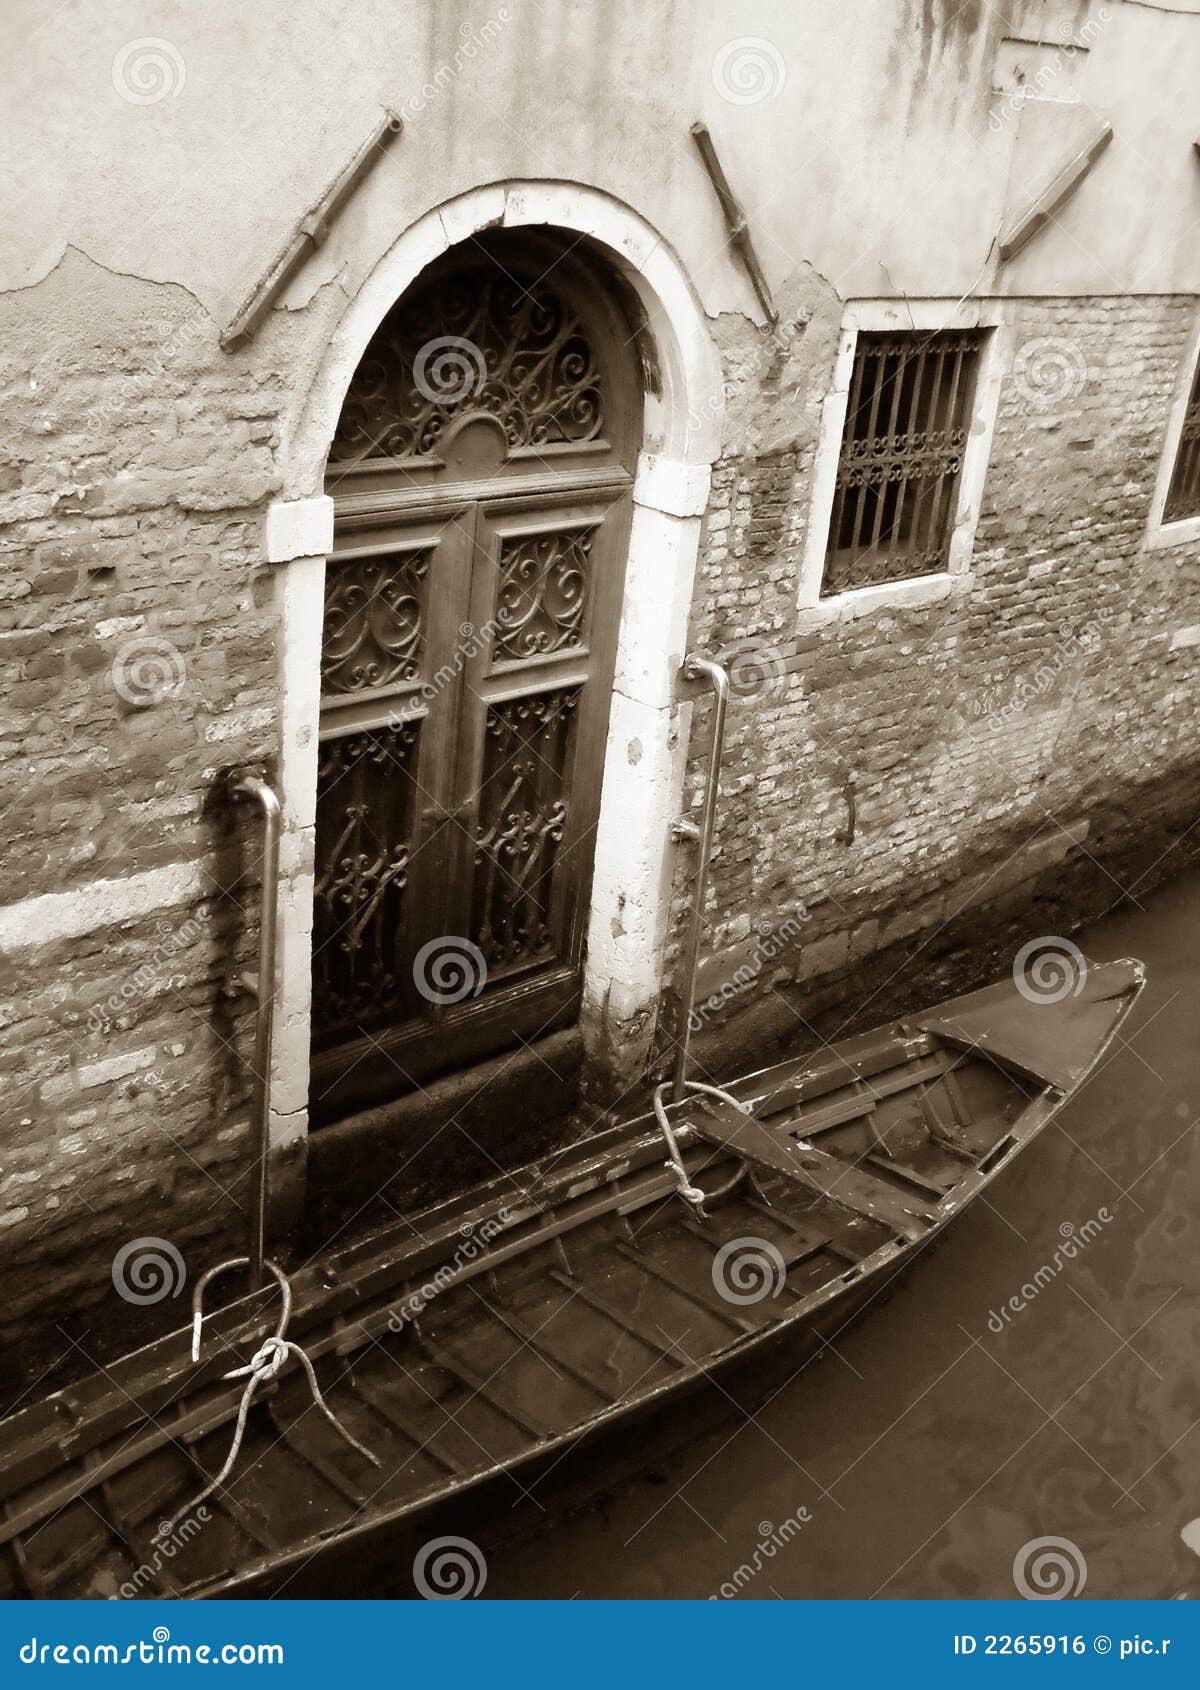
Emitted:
<point x="507" y="1506"/>
<point x="511" y="1342"/>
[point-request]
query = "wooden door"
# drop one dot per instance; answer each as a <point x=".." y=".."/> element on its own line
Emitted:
<point x="472" y="603"/>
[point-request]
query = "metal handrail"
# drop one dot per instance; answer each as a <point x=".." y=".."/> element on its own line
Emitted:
<point x="249" y="785"/>
<point x="694" y="669"/>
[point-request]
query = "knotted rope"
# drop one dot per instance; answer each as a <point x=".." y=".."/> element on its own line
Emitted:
<point x="692" y="1194"/>
<point x="267" y="1362"/>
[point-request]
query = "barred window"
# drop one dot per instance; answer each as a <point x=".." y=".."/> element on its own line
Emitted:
<point x="907" y="422"/>
<point x="1183" y="496"/>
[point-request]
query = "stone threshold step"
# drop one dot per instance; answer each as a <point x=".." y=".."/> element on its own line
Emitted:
<point x="449" y="1134"/>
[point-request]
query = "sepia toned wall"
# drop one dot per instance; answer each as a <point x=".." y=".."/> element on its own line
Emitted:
<point x="160" y="158"/>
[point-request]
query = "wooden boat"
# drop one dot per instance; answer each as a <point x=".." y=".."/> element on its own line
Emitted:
<point x="489" y="1335"/>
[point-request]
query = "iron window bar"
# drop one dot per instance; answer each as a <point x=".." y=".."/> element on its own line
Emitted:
<point x="1183" y="495"/>
<point x="907" y="425"/>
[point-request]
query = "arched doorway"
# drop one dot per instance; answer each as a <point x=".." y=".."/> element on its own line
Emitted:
<point x="481" y="474"/>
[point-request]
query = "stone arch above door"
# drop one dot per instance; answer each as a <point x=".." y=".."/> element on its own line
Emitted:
<point x="647" y="740"/>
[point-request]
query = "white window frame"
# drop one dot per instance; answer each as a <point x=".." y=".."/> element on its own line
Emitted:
<point x="892" y="315"/>
<point x="1187" y="530"/>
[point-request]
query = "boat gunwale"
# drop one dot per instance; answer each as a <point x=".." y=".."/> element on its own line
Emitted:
<point x="590" y="1162"/>
<point x="326" y="1286"/>
<point x="1038" y="1112"/>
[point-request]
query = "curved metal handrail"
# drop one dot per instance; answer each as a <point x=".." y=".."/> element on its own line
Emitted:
<point x="695" y="668"/>
<point x="246" y="784"/>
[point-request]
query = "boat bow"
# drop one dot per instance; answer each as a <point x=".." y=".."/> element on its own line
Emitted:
<point x="1054" y="1036"/>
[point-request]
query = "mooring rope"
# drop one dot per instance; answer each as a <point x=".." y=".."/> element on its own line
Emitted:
<point x="692" y="1194"/>
<point x="267" y="1362"/>
<point x="716" y="1091"/>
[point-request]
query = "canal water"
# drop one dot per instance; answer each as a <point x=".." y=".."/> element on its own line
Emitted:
<point x="1034" y="1376"/>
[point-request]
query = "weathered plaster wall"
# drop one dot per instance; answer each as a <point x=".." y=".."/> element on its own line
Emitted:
<point x="878" y="154"/>
<point x="136" y="461"/>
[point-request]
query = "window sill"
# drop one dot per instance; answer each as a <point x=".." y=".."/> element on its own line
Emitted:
<point x="1185" y="532"/>
<point x="888" y="595"/>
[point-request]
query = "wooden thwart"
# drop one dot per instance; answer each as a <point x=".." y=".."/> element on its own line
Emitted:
<point x="723" y="1125"/>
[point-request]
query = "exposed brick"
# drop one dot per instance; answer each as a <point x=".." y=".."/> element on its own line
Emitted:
<point x="1060" y="684"/>
<point x="965" y="723"/>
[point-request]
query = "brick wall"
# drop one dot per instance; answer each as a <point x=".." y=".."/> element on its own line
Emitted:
<point x="983" y="738"/>
<point x="138" y="659"/>
<point x="980" y="738"/>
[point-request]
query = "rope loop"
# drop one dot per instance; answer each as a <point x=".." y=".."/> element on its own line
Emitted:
<point x="691" y="1194"/>
<point x="268" y="1362"/>
<point x="263" y="1368"/>
<point x="206" y="1278"/>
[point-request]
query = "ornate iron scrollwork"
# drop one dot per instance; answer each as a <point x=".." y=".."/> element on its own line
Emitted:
<point x="481" y="342"/>
<point x="365" y="817"/>
<point x="543" y="592"/>
<point x="902" y="457"/>
<point x="374" y="621"/>
<point x="523" y="813"/>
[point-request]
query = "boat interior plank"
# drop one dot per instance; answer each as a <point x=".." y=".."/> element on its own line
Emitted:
<point x="663" y="1356"/>
<point x="447" y="1420"/>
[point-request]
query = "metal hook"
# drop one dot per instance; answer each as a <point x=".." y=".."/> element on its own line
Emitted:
<point x="201" y="1286"/>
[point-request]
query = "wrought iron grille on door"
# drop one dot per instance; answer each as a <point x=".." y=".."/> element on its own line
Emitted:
<point x="368" y="801"/>
<point x="470" y="617"/>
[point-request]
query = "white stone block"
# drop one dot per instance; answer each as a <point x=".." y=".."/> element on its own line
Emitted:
<point x="299" y="528"/>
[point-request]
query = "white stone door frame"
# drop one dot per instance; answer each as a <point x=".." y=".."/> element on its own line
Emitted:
<point x="647" y="737"/>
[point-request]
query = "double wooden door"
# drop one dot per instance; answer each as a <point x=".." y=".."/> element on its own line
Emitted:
<point x="471" y="610"/>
